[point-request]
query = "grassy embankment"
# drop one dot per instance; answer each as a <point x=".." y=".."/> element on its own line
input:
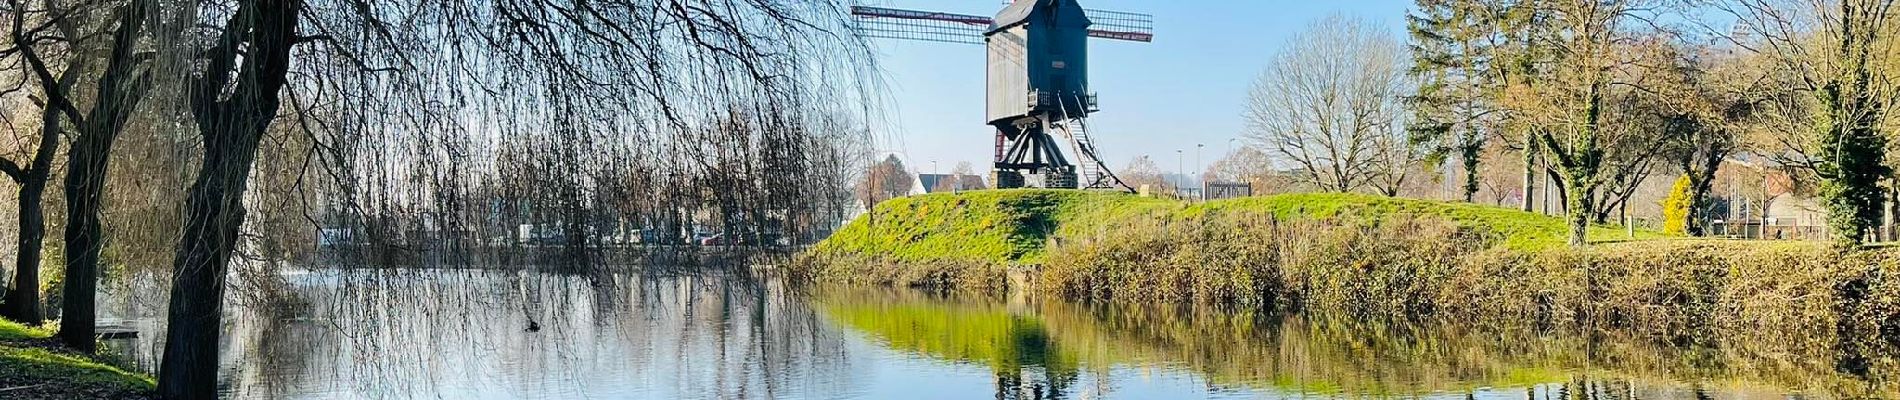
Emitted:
<point x="1358" y="255"/>
<point x="33" y="367"/>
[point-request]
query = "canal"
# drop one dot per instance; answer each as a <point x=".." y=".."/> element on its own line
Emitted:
<point x="488" y="334"/>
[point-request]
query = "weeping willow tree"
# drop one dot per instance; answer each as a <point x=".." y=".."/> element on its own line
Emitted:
<point x="47" y="71"/>
<point x="430" y="134"/>
<point x="82" y="58"/>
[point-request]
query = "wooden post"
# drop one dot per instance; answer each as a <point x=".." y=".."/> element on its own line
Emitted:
<point x="1630" y="228"/>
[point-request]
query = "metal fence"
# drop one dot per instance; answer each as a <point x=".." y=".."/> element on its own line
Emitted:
<point x="1757" y="230"/>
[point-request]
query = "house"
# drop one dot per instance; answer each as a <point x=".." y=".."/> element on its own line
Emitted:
<point x="1754" y="198"/>
<point x="934" y="183"/>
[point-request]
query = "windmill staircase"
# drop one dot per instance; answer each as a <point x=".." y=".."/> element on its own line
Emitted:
<point x="1093" y="173"/>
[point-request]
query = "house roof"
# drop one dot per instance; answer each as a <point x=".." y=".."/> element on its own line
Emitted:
<point x="1015" y="13"/>
<point x="930" y="181"/>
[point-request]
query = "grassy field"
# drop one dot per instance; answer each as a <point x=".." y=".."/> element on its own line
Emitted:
<point x="33" y="367"/>
<point x="1001" y="227"/>
<point x="992" y="226"/>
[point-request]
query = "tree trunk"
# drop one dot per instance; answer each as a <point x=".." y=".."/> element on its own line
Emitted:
<point x="1610" y="202"/>
<point x="85" y="180"/>
<point x="120" y="90"/>
<point x="213" y="214"/>
<point x="1471" y="154"/>
<point x="23" y="299"/>
<point x="1577" y="204"/>
<point x="1893" y="210"/>
<point x="1530" y="171"/>
<point x="1699" y="187"/>
<point x="1555" y="182"/>
<point x="231" y="128"/>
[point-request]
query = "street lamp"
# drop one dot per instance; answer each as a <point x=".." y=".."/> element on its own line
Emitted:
<point x="1180" y="169"/>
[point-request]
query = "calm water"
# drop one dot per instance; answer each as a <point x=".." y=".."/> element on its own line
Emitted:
<point x="465" y="335"/>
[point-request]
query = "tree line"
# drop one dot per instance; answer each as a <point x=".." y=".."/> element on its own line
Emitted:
<point x="1595" y="96"/>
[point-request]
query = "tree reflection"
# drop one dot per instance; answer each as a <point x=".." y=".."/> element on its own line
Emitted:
<point x="1038" y="350"/>
<point x="463" y="334"/>
<point x="1025" y="361"/>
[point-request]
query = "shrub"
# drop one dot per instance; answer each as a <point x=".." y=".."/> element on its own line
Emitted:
<point x="1675" y="208"/>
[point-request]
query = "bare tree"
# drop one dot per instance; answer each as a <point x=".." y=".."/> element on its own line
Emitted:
<point x="840" y="159"/>
<point x="1142" y="173"/>
<point x="1246" y="165"/>
<point x="1834" y="53"/>
<point x="887" y="179"/>
<point x="1330" y="105"/>
<point x="1709" y="101"/>
<point x="962" y="177"/>
<point x="1569" y="93"/>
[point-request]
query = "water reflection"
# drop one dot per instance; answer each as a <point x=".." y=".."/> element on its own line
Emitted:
<point x="475" y="334"/>
<point x="1246" y="354"/>
<point x="466" y="335"/>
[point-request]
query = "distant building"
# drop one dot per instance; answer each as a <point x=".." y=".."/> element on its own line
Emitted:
<point x="1752" y="197"/>
<point x="934" y="183"/>
<point x="1226" y="190"/>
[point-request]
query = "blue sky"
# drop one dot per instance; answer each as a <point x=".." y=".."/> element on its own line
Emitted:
<point x="1187" y="87"/>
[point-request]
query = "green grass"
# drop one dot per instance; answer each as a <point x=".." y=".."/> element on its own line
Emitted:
<point x="43" y="373"/>
<point x="1514" y="228"/>
<point x="1001" y="227"/>
<point x="10" y="331"/>
<point x="990" y="226"/>
<point x="41" y="365"/>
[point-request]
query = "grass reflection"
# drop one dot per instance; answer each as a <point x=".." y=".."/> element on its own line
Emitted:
<point x="1053" y="342"/>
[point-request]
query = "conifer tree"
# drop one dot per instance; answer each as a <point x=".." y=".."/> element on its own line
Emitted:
<point x="1449" y="64"/>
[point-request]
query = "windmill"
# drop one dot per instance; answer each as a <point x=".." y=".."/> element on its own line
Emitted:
<point x="1037" y="92"/>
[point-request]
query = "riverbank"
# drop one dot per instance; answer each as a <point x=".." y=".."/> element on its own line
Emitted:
<point x="33" y="366"/>
<point x="1368" y="256"/>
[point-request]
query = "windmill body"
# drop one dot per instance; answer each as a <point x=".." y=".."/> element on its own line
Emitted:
<point x="1037" y="94"/>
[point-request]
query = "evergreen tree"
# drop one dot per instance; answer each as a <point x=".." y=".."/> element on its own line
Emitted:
<point x="1449" y="64"/>
<point x="1850" y="161"/>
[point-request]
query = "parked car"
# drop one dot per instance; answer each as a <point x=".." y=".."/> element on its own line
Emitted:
<point x="716" y="240"/>
<point x="699" y="237"/>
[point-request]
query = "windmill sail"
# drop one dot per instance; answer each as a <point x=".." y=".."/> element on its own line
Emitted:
<point x="893" y="23"/>
<point x="1120" y="25"/>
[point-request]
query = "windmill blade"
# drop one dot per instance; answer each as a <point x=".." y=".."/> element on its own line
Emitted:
<point x="1121" y="25"/>
<point x="892" y="23"/>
